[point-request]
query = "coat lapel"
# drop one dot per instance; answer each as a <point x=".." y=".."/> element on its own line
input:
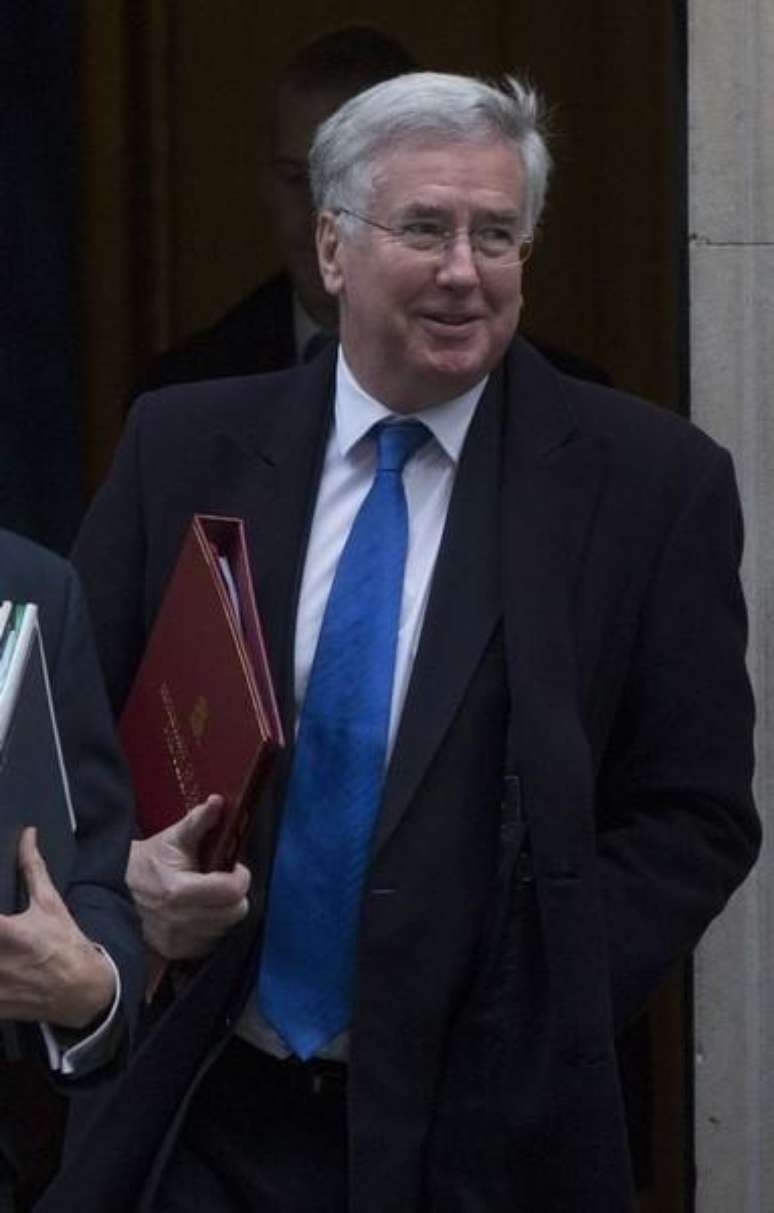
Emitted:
<point x="268" y="476"/>
<point x="464" y="606"/>
<point x="556" y="475"/>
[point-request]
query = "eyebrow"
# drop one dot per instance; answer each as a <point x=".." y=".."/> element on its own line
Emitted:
<point x="422" y="210"/>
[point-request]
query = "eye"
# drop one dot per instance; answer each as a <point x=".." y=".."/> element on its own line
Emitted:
<point x="422" y="233"/>
<point x="496" y="238"/>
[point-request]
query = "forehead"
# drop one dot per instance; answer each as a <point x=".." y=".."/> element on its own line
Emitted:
<point x="475" y="174"/>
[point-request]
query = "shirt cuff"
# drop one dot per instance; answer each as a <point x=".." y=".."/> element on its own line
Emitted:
<point x="93" y="1050"/>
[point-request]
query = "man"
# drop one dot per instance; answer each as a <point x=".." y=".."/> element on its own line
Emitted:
<point x="72" y="971"/>
<point x="503" y="614"/>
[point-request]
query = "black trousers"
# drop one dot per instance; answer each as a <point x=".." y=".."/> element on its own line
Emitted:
<point x="261" y="1136"/>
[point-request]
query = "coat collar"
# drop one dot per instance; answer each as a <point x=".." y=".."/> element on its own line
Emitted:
<point x="556" y="474"/>
<point x="463" y="609"/>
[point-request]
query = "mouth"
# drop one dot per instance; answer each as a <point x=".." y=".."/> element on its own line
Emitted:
<point x="451" y="321"/>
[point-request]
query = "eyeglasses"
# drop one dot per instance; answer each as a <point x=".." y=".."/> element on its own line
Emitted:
<point x="491" y="242"/>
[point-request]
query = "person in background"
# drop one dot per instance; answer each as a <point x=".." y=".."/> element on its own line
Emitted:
<point x="272" y="327"/>
<point x="503" y="615"/>
<point x="72" y="967"/>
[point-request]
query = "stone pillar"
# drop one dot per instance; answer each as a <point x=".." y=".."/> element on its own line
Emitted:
<point x="731" y="251"/>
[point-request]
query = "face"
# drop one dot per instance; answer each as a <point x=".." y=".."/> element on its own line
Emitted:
<point x="418" y="330"/>
<point x="298" y="115"/>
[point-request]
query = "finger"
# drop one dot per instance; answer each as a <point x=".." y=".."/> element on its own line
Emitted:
<point x="33" y="866"/>
<point x="216" y="923"/>
<point x="229" y="916"/>
<point x="191" y="829"/>
<point x="178" y="844"/>
<point x="242" y="877"/>
<point x="208" y="890"/>
<point x="233" y="885"/>
<point x="226" y="888"/>
<point x="185" y="932"/>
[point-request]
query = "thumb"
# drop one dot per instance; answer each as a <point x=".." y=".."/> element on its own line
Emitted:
<point x="32" y="865"/>
<point x="191" y="829"/>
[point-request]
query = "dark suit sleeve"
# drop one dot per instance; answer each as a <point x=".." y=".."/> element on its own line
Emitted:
<point x="97" y="896"/>
<point x="678" y="829"/>
<point x="110" y="556"/>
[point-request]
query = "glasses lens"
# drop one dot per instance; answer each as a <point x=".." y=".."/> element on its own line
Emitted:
<point x="425" y="236"/>
<point x="502" y="247"/>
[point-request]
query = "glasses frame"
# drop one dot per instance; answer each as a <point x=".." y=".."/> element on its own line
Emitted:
<point x="450" y="237"/>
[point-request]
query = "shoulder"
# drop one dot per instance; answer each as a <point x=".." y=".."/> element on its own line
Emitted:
<point x="660" y="463"/>
<point x="244" y="408"/>
<point x="633" y="430"/>
<point x="29" y="571"/>
<point x="648" y="467"/>
<point x="211" y="403"/>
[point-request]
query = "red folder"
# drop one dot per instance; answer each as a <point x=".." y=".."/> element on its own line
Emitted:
<point x="201" y="716"/>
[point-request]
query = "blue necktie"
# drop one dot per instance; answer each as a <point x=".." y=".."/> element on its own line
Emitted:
<point x="306" y="976"/>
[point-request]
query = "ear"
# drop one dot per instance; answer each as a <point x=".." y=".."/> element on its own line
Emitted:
<point x="329" y="252"/>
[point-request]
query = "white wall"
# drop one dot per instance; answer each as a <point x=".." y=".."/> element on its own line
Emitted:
<point x="731" y="225"/>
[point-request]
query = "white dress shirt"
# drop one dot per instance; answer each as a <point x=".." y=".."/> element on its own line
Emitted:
<point x="93" y="1048"/>
<point x="347" y="474"/>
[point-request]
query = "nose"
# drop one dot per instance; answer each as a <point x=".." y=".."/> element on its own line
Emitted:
<point x="458" y="266"/>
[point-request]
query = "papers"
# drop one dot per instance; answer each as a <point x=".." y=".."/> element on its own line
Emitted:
<point x="34" y="789"/>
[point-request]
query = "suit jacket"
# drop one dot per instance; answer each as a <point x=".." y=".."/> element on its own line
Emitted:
<point x="97" y="895"/>
<point x="568" y="802"/>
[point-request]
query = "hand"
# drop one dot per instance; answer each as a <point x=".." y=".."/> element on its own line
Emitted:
<point x="185" y="912"/>
<point x="49" y="970"/>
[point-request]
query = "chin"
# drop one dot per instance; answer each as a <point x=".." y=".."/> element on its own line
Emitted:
<point x="445" y="386"/>
<point x="459" y="369"/>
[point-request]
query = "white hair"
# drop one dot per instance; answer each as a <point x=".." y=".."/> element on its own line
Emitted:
<point x="417" y="108"/>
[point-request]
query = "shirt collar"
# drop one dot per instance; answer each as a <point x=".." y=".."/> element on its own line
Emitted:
<point x="356" y="413"/>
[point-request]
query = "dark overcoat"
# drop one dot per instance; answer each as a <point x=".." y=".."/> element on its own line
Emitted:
<point x="97" y="896"/>
<point x="567" y="806"/>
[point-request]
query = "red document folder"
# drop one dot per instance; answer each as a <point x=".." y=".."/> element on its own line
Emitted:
<point x="201" y="716"/>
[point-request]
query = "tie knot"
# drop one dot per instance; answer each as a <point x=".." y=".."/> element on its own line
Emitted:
<point x="396" y="443"/>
